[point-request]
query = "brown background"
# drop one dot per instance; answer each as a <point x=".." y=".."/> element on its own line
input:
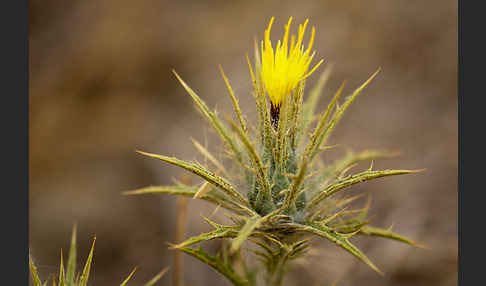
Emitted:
<point x="101" y="87"/>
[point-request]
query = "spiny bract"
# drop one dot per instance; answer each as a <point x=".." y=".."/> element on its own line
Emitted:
<point x="288" y="193"/>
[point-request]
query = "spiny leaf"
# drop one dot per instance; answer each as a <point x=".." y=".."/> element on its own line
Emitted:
<point x="265" y="257"/>
<point x="282" y="135"/>
<point x="199" y="170"/>
<point x="157" y="277"/>
<point x="85" y="275"/>
<point x="264" y="246"/>
<point x="124" y="283"/>
<point x="262" y="102"/>
<point x="215" y="224"/>
<point x="71" y="266"/>
<point x="76" y="282"/>
<point x="291" y="196"/>
<point x="236" y="106"/>
<point x="295" y="118"/>
<point x="354" y="179"/>
<point x="190" y="191"/>
<point x="386" y="233"/>
<point x="245" y="232"/>
<point x="259" y="104"/>
<point x="252" y="74"/>
<point x="349" y="227"/>
<point x="349" y="159"/>
<point x="298" y="248"/>
<point x="277" y="266"/>
<point x="220" y="232"/>
<point x="317" y="137"/>
<point x="258" y="63"/>
<point x="212" y="118"/>
<point x="264" y="193"/>
<point x="217" y="264"/>
<point x="339" y="113"/>
<point x="61" y="272"/>
<point x="364" y="213"/>
<point x="309" y="106"/>
<point x="203" y="190"/>
<point x="208" y="155"/>
<point x="340" y="240"/>
<point x="33" y="273"/>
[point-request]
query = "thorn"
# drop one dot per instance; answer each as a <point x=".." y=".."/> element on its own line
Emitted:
<point x="216" y="209"/>
<point x="204" y="189"/>
<point x="371" y="166"/>
<point x="341" y="175"/>
<point x="324" y="148"/>
<point x="172" y="246"/>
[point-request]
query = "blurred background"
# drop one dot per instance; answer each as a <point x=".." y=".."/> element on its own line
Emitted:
<point x="101" y="86"/>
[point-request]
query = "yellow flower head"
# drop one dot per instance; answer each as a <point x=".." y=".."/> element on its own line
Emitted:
<point x="285" y="67"/>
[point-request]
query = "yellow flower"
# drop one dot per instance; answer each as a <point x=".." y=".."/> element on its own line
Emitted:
<point x="285" y="67"/>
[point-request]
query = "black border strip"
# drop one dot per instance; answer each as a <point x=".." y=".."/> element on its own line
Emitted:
<point x="460" y="93"/>
<point x="471" y="175"/>
<point x="14" y="118"/>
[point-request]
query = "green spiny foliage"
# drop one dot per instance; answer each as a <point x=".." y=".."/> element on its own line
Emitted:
<point x="68" y="276"/>
<point x="287" y="192"/>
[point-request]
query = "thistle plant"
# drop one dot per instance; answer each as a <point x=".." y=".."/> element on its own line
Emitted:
<point x="278" y="192"/>
<point x="69" y="277"/>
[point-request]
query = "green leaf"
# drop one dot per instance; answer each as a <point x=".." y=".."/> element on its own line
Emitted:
<point x="236" y="106"/>
<point x="190" y="191"/>
<point x="317" y="137"/>
<point x="339" y="113"/>
<point x="339" y="239"/>
<point x="207" y="175"/>
<point x="61" y="272"/>
<point x="87" y="266"/>
<point x="349" y="159"/>
<point x="355" y="179"/>
<point x="217" y="264"/>
<point x="294" y="189"/>
<point x="250" y="225"/>
<point x="208" y="156"/>
<point x="295" y="117"/>
<point x="266" y="247"/>
<point x="309" y="106"/>
<point x="33" y="273"/>
<point x="298" y="248"/>
<point x="350" y="226"/>
<point x="282" y="133"/>
<point x="264" y="125"/>
<point x="157" y="277"/>
<point x="212" y="118"/>
<point x="265" y="193"/>
<point x="71" y="266"/>
<point x="220" y="232"/>
<point x="387" y="233"/>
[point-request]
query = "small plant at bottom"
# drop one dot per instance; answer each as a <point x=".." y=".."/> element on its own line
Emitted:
<point x="278" y="192"/>
<point x="69" y="277"/>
